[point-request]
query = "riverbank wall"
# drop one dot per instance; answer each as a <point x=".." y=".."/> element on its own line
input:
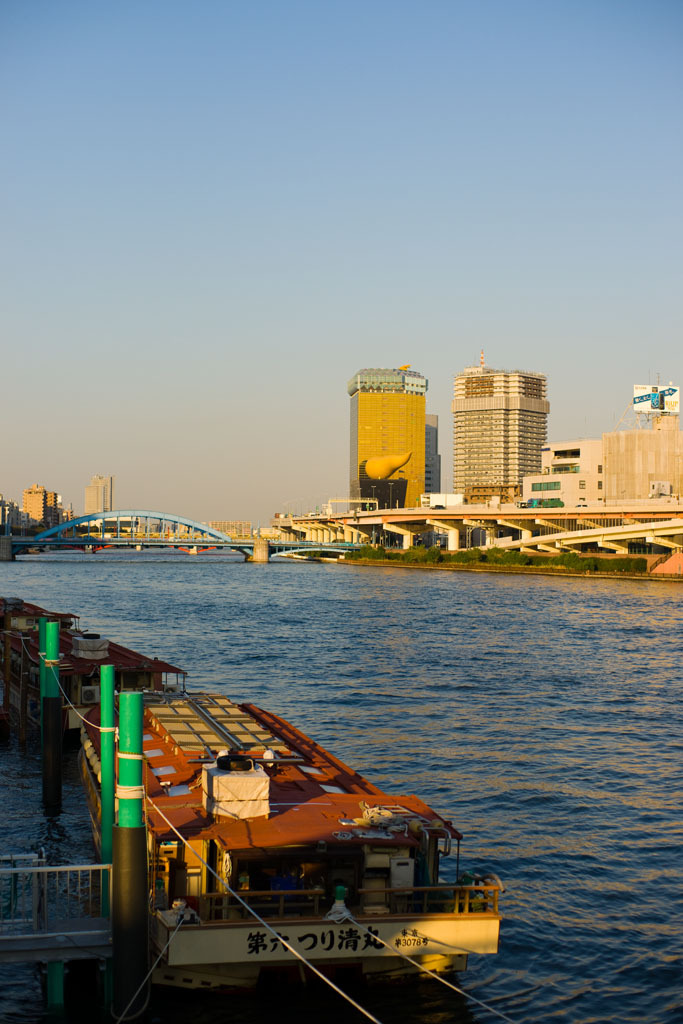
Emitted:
<point x="516" y="570"/>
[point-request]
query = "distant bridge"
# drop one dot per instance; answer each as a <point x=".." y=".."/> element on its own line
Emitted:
<point x="141" y="529"/>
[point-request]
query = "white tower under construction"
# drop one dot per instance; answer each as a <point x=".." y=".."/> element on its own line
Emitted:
<point x="500" y="422"/>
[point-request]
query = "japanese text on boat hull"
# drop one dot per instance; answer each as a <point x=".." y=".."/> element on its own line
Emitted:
<point x="325" y="940"/>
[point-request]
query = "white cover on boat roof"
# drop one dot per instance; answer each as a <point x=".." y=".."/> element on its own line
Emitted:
<point x="93" y="647"/>
<point x="236" y="794"/>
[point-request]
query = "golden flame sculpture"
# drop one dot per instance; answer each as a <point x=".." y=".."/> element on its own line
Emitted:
<point x="382" y="466"/>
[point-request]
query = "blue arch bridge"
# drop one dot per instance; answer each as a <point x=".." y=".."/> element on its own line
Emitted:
<point x="141" y="529"/>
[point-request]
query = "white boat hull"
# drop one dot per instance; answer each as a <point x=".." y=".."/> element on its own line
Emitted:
<point x="233" y="954"/>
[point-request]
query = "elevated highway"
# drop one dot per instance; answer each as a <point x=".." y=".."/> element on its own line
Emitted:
<point x="596" y="527"/>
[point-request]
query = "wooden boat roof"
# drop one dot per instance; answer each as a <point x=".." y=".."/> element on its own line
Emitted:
<point x="33" y="611"/>
<point x="122" y="658"/>
<point x="314" y="797"/>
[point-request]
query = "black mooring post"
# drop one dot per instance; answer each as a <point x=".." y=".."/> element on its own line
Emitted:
<point x="130" y="891"/>
<point x="52" y="753"/>
<point x="129" y="921"/>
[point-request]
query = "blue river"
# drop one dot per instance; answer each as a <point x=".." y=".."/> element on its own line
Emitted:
<point x="543" y="716"/>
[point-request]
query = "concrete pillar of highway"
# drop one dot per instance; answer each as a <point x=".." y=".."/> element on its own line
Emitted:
<point x="6" y="549"/>
<point x="261" y="550"/>
<point x="453" y="539"/>
<point x="403" y="532"/>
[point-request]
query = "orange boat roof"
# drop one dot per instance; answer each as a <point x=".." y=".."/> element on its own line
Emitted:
<point x="314" y="797"/>
<point x="122" y="658"/>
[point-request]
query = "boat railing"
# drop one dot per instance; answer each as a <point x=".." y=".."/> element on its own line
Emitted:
<point x="421" y="899"/>
<point x="218" y="906"/>
<point x="432" y="899"/>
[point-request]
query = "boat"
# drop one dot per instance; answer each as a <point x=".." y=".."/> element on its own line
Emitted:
<point x="258" y="836"/>
<point x="81" y="654"/>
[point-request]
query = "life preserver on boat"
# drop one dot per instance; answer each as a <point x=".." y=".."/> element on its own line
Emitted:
<point x="490" y="877"/>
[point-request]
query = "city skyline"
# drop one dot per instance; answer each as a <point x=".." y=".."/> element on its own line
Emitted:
<point x="214" y="217"/>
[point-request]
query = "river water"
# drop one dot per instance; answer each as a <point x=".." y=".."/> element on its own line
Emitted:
<point x="543" y="716"/>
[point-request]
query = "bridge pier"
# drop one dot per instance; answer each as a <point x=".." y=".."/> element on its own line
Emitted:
<point x="261" y="550"/>
<point x="6" y="549"/>
<point x="453" y="539"/>
<point x="403" y="532"/>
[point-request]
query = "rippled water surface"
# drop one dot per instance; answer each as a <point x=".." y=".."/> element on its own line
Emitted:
<point x="543" y="716"/>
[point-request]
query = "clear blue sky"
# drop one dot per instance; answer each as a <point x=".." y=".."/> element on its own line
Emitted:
<point x="214" y="213"/>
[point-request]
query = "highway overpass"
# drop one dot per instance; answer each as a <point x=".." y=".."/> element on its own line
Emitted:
<point x="585" y="528"/>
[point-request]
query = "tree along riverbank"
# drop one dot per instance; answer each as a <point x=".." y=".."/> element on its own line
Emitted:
<point x="568" y="563"/>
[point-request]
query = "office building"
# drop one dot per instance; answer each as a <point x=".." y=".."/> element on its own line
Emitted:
<point x="432" y="457"/>
<point x="99" y="495"/>
<point x="571" y="473"/>
<point x="499" y="428"/>
<point x="54" y="512"/>
<point x="34" y="503"/>
<point x="11" y="516"/>
<point x="388" y="436"/>
<point x="646" y="463"/>
<point x="42" y="506"/>
<point x="233" y="527"/>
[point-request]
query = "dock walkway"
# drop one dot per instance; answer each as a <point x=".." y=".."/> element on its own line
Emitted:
<point x="50" y="913"/>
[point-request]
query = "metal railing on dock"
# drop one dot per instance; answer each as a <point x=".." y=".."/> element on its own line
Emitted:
<point x="52" y="913"/>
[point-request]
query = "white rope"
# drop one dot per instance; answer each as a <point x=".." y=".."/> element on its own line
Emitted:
<point x="147" y="977"/>
<point x="66" y="697"/>
<point x="129" y="792"/>
<point x="265" y="924"/>
<point x="52" y="665"/>
<point x="339" y="916"/>
<point x="98" y="728"/>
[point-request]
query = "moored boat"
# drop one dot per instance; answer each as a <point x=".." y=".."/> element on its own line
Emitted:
<point x="262" y="842"/>
<point x="80" y="656"/>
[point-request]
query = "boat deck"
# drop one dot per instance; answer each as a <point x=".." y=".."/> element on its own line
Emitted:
<point x="314" y="797"/>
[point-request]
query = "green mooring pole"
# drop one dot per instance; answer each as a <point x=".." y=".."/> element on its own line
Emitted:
<point x="129" y="914"/>
<point x="51" y="717"/>
<point x="107" y="772"/>
<point x="55" y="984"/>
<point x="107" y="786"/>
<point x="42" y="623"/>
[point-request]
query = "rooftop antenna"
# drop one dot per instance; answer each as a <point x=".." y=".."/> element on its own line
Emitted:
<point x="481" y="358"/>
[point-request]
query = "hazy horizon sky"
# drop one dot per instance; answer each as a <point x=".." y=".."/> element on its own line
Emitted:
<point x="214" y="214"/>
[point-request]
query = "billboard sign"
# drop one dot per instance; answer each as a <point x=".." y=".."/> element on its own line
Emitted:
<point x="650" y="398"/>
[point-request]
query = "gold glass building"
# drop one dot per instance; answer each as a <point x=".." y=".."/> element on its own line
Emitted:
<point x="388" y="436"/>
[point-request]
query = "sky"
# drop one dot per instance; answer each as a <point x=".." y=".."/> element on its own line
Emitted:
<point x="215" y="213"/>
